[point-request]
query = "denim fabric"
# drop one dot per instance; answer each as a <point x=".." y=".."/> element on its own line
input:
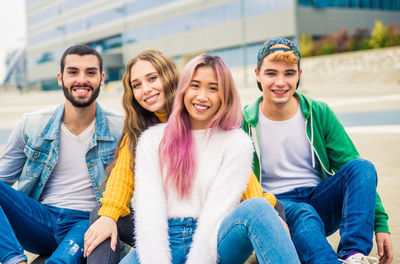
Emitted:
<point x="126" y="233"/>
<point x="32" y="153"/>
<point x="253" y="225"/>
<point x="345" y="201"/>
<point x="40" y="229"/>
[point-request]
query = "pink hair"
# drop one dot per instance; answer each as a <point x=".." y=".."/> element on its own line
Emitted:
<point x="177" y="146"/>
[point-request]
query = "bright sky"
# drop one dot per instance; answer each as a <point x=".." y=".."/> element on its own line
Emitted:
<point x="12" y="29"/>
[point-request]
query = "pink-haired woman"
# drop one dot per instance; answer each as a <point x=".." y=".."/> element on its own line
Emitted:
<point x="190" y="176"/>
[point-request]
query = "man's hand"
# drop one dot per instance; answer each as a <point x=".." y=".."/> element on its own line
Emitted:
<point x="385" y="250"/>
<point x="103" y="228"/>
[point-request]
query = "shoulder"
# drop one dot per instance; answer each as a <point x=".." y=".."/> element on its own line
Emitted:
<point x="112" y="114"/>
<point x="45" y="113"/>
<point x="236" y="139"/>
<point x="34" y="123"/>
<point x="152" y="136"/>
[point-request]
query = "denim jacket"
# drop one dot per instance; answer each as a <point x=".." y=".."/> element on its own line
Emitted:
<point x="33" y="147"/>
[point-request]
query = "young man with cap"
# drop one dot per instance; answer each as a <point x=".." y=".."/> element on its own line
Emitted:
<point x="305" y="157"/>
<point x="58" y="156"/>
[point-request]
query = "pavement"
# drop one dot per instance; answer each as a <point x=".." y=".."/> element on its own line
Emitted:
<point x="369" y="110"/>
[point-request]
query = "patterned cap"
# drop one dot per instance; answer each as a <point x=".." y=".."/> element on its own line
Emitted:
<point x="266" y="48"/>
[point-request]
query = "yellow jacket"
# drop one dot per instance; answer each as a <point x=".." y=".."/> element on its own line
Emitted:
<point x="120" y="184"/>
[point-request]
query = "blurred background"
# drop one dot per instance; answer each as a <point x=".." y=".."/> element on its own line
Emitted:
<point x="350" y="48"/>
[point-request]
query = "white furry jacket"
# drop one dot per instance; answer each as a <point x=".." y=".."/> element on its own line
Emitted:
<point x="221" y="176"/>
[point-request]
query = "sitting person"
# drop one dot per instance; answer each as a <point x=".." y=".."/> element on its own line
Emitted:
<point x="305" y="157"/>
<point x="190" y="175"/>
<point x="58" y="156"/>
<point x="149" y="74"/>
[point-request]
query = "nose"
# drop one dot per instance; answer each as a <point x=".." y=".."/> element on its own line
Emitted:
<point x="81" y="78"/>
<point x="202" y="94"/>
<point x="146" y="87"/>
<point x="280" y="80"/>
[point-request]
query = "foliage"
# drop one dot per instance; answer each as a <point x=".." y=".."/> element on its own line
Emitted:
<point x="305" y="45"/>
<point x="324" y="46"/>
<point x="379" y="35"/>
<point x="393" y="32"/>
<point x="342" y="41"/>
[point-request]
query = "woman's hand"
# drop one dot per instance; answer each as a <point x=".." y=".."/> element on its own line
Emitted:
<point x="103" y="228"/>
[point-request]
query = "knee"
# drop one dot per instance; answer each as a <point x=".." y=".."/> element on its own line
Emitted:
<point x="298" y="213"/>
<point x="255" y="208"/>
<point x="363" y="170"/>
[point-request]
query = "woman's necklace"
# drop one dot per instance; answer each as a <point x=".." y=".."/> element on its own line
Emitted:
<point x="71" y="132"/>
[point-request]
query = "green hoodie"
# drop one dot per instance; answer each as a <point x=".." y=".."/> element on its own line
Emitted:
<point x="332" y="146"/>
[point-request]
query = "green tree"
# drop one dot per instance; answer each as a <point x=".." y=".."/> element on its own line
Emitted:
<point x="305" y="45"/>
<point x="379" y="35"/>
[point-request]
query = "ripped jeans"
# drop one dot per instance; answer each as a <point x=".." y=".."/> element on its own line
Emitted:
<point x="40" y="229"/>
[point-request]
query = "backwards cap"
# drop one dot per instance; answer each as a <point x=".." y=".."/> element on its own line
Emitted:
<point x="266" y="48"/>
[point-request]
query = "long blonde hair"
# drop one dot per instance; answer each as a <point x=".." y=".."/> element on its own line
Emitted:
<point x="137" y="118"/>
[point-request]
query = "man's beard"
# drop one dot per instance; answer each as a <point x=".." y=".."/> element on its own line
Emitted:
<point x="77" y="103"/>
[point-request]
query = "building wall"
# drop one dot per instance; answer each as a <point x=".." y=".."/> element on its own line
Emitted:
<point x="323" y="21"/>
<point x="119" y="29"/>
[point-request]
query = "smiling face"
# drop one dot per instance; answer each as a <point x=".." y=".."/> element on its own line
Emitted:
<point x="278" y="80"/>
<point x="81" y="79"/>
<point x="148" y="87"/>
<point x="202" y="98"/>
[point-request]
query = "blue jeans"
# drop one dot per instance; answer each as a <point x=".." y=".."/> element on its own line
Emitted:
<point x="253" y="225"/>
<point x="40" y="229"/>
<point x="344" y="201"/>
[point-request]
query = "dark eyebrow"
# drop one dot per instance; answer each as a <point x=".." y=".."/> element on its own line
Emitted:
<point x="291" y="70"/>
<point x="88" y="69"/>
<point x="210" y="83"/>
<point x="267" y="70"/>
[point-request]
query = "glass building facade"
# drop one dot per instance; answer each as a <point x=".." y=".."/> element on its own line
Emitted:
<point x="91" y="16"/>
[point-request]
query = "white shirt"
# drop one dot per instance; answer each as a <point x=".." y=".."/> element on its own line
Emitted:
<point x="69" y="185"/>
<point x="285" y="154"/>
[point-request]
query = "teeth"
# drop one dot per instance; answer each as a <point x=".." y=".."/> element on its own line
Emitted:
<point x="81" y="90"/>
<point x="151" y="99"/>
<point x="201" y="107"/>
<point x="280" y="92"/>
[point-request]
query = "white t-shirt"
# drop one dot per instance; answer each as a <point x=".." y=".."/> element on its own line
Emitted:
<point x="69" y="185"/>
<point x="285" y="154"/>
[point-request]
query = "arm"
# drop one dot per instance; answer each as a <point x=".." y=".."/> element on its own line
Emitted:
<point x="382" y="235"/>
<point x="223" y="196"/>
<point x="151" y="220"/>
<point x="385" y="248"/>
<point x="119" y="189"/>
<point x="13" y="159"/>
<point x="254" y="189"/>
<point x="341" y="150"/>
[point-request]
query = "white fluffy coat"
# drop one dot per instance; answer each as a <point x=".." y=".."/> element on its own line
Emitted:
<point x="231" y="151"/>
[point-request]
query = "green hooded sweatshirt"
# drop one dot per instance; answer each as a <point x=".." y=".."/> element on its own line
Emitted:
<point x="332" y="146"/>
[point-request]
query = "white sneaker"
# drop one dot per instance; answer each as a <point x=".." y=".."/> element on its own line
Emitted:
<point x="360" y="259"/>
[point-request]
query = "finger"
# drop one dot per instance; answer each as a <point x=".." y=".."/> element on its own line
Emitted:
<point x="93" y="246"/>
<point x="113" y="241"/>
<point x="380" y="248"/>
